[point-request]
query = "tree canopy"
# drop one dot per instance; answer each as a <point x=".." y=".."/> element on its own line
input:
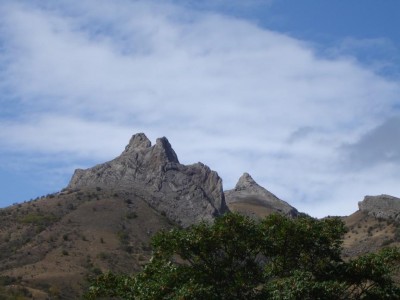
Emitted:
<point x="237" y="257"/>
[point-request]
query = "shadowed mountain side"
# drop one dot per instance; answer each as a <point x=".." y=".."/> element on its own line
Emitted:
<point x="251" y="199"/>
<point x="185" y="194"/>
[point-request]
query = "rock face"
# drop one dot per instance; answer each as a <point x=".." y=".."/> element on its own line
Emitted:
<point x="248" y="196"/>
<point x="383" y="206"/>
<point x="185" y="194"/>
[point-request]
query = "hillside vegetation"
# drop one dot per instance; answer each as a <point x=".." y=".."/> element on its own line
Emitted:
<point x="240" y="258"/>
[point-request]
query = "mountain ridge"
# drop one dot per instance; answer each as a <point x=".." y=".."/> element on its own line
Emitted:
<point x="105" y="217"/>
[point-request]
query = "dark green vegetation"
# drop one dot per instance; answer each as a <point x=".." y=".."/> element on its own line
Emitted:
<point x="239" y="258"/>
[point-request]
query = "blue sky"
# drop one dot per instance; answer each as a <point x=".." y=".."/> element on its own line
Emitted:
<point x="303" y="95"/>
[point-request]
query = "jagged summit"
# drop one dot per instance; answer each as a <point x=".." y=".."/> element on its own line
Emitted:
<point x="248" y="197"/>
<point x="137" y="141"/>
<point x="140" y="142"/>
<point x="185" y="194"/>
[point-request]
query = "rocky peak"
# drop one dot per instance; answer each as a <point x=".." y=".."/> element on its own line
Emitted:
<point x="382" y="206"/>
<point x="248" y="197"/>
<point x="138" y="141"/>
<point x="185" y="194"/>
<point x="245" y="181"/>
<point x="165" y="146"/>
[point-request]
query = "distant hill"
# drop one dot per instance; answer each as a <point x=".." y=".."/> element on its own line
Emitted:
<point x="251" y="199"/>
<point x="373" y="226"/>
<point x="104" y="219"/>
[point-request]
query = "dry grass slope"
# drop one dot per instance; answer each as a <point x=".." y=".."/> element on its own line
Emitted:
<point x="369" y="234"/>
<point x="50" y="246"/>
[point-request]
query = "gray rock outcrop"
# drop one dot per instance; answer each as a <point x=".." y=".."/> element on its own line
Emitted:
<point x="247" y="191"/>
<point x="185" y="194"/>
<point x="383" y="206"/>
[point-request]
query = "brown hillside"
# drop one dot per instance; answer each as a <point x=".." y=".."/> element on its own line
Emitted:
<point x="53" y="244"/>
<point x="369" y="234"/>
<point x="50" y="246"/>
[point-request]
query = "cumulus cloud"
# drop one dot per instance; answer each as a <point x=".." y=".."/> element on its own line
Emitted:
<point x="79" y="80"/>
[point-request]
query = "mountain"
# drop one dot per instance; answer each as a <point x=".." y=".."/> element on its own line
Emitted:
<point x="185" y="194"/>
<point x="104" y="219"/>
<point x="253" y="200"/>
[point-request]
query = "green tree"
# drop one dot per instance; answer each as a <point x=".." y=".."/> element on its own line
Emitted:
<point x="239" y="258"/>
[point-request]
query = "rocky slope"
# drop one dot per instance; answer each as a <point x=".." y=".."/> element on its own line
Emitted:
<point x="367" y="233"/>
<point x="251" y="199"/>
<point x="383" y="206"/>
<point x="185" y="194"/>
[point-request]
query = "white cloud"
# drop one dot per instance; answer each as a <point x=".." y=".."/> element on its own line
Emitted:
<point x="58" y="134"/>
<point x="224" y="91"/>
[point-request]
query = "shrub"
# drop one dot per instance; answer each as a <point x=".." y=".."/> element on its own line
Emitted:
<point x="38" y="219"/>
<point x="131" y="215"/>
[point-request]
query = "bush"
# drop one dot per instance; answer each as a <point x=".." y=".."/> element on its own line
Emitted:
<point x="123" y="237"/>
<point x="7" y="280"/>
<point x="38" y="219"/>
<point x="131" y="215"/>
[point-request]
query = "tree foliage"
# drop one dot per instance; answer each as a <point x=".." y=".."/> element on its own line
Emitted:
<point x="240" y="258"/>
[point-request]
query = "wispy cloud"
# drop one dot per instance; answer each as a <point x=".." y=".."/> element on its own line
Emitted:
<point x="80" y="79"/>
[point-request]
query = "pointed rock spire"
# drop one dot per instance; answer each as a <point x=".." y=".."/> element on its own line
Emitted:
<point x="138" y="141"/>
<point x="165" y="146"/>
<point x="244" y="182"/>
